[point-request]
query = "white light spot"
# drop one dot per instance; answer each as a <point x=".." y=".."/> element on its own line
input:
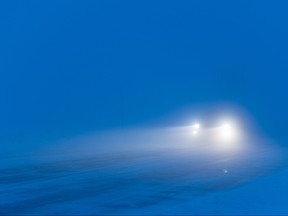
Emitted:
<point x="225" y="171"/>
<point x="195" y="132"/>
<point x="226" y="126"/>
<point x="227" y="132"/>
<point x="228" y="136"/>
<point x="196" y="126"/>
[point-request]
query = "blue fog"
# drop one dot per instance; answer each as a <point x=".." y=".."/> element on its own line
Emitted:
<point x="96" y="96"/>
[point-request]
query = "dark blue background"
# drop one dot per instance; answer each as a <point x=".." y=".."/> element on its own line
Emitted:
<point x="70" y="67"/>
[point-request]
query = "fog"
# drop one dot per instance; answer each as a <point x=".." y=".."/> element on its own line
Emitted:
<point x="211" y="152"/>
<point x="140" y="170"/>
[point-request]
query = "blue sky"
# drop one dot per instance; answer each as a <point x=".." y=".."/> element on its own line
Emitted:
<point x="69" y="67"/>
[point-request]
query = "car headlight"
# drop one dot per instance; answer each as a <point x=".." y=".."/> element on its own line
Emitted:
<point x="224" y="136"/>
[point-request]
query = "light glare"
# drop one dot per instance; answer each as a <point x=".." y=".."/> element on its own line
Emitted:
<point x="227" y="131"/>
<point x="196" y="126"/>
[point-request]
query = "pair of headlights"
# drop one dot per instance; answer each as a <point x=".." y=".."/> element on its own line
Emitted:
<point x="225" y="134"/>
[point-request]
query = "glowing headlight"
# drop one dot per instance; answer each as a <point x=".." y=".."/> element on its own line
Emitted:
<point x="227" y="137"/>
<point x="227" y="132"/>
<point x="196" y="128"/>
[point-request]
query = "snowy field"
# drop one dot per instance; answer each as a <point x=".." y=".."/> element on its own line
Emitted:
<point x="149" y="181"/>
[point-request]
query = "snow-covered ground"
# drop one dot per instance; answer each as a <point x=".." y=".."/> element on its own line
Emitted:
<point x="180" y="177"/>
<point x="147" y="183"/>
